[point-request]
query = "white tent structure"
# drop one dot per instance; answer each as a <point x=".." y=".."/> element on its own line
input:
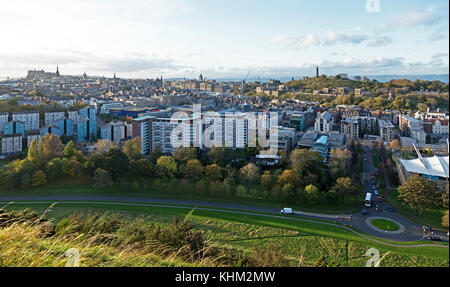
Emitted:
<point x="435" y="167"/>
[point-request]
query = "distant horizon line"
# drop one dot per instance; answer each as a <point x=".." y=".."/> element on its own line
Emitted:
<point x="264" y="78"/>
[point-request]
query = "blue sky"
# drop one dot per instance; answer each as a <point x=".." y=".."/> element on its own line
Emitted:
<point x="224" y="39"/>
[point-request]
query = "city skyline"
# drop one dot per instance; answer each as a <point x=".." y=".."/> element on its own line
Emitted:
<point x="147" y="39"/>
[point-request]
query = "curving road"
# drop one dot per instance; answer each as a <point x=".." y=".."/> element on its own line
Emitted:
<point x="188" y="204"/>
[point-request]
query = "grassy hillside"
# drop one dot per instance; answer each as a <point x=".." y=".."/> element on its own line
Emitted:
<point x="231" y="240"/>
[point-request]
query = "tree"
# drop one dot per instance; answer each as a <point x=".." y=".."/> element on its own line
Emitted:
<point x="213" y="172"/>
<point x="344" y="186"/>
<point x="49" y="147"/>
<point x="54" y="168"/>
<point x="38" y="179"/>
<point x="249" y="173"/>
<point x="419" y="193"/>
<point x="155" y="154"/>
<point x="116" y="163"/>
<point x="193" y="169"/>
<point x="395" y="144"/>
<point x="142" y="168"/>
<point x="445" y="197"/>
<point x="217" y="155"/>
<point x="132" y="148"/>
<point x="185" y="153"/>
<point x="267" y="180"/>
<point x="445" y="219"/>
<point x="32" y="151"/>
<point x="73" y="168"/>
<point x="69" y="151"/>
<point x="312" y="193"/>
<point x="166" y="166"/>
<point x="102" y="178"/>
<point x="288" y="193"/>
<point x="304" y="161"/>
<point x="288" y="177"/>
<point x="102" y="146"/>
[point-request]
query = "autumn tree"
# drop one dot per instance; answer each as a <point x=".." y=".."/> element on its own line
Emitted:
<point x="102" y="178"/>
<point x="132" y="148"/>
<point x="249" y="173"/>
<point x="32" y="151"/>
<point x="213" y="172"/>
<point x="395" y="144"/>
<point x="49" y="147"/>
<point x="69" y="151"/>
<point x="288" y="177"/>
<point x="267" y="180"/>
<point x="193" y="169"/>
<point x="38" y="179"/>
<point x="166" y="166"/>
<point x="445" y="219"/>
<point x="419" y="193"/>
<point x="102" y="146"/>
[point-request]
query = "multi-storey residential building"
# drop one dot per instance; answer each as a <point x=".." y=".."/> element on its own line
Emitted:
<point x="432" y="115"/>
<point x="324" y="122"/>
<point x="3" y="120"/>
<point x="350" y="128"/>
<point x="367" y="125"/>
<point x="114" y="131"/>
<point x="30" y="119"/>
<point x="438" y="126"/>
<point x="66" y="127"/>
<point x="386" y="130"/>
<point x="14" y="127"/>
<point x="50" y="129"/>
<point x="52" y="117"/>
<point x="412" y="127"/>
<point x="86" y="130"/>
<point x="89" y="112"/>
<point x="107" y="106"/>
<point x="11" y="144"/>
<point x="74" y="116"/>
<point x="295" y="121"/>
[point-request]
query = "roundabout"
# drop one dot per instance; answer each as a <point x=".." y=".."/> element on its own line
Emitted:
<point x="385" y="225"/>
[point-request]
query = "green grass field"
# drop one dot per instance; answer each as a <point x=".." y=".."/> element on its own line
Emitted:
<point x="385" y="224"/>
<point x="303" y="242"/>
<point x="84" y="186"/>
<point x="429" y="216"/>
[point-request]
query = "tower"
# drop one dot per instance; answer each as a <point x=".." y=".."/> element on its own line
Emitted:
<point x="57" y="71"/>
<point x="317" y="71"/>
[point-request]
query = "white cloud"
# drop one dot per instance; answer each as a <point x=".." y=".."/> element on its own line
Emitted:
<point x="381" y="41"/>
<point x="309" y="40"/>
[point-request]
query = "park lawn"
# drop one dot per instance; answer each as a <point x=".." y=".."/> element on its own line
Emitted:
<point x="83" y="186"/>
<point x="385" y="224"/>
<point x="429" y="216"/>
<point x="299" y="239"/>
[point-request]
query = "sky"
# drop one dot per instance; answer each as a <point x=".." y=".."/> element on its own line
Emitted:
<point x="224" y="38"/>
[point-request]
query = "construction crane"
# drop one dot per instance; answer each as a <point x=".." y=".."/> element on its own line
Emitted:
<point x="243" y="83"/>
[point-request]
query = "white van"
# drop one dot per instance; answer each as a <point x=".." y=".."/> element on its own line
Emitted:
<point x="286" y="211"/>
<point x="368" y="201"/>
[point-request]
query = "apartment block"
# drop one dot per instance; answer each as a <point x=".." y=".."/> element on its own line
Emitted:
<point x="86" y="130"/>
<point x="386" y="130"/>
<point x="3" y="120"/>
<point x="11" y="144"/>
<point x="52" y="117"/>
<point x="30" y="119"/>
<point x="14" y="127"/>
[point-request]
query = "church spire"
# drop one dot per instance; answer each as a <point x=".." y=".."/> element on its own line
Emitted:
<point x="57" y="71"/>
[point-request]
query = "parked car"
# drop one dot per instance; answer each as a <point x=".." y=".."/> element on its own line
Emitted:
<point x="390" y="209"/>
<point x="364" y="212"/>
<point x="377" y="208"/>
<point x="376" y="192"/>
<point x="380" y="200"/>
<point x="434" y="238"/>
